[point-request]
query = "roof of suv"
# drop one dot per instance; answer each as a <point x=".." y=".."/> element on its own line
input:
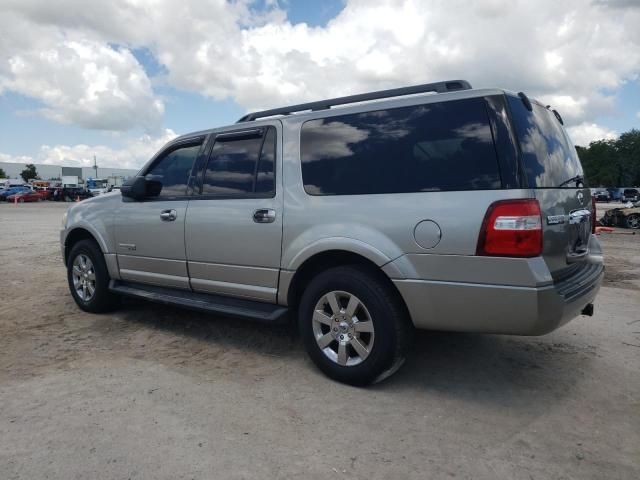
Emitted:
<point x="439" y="91"/>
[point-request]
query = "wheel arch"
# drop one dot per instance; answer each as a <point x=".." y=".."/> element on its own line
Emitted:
<point x="324" y="260"/>
<point x="77" y="234"/>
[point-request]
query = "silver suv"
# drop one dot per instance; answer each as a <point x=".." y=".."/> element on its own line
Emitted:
<point x="438" y="207"/>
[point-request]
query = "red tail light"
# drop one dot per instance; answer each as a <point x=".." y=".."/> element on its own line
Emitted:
<point x="511" y="228"/>
<point x="593" y="215"/>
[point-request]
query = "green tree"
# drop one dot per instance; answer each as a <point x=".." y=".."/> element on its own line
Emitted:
<point x="612" y="163"/>
<point x="2" y="174"/>
<point x="628" y="146"/>
<point x="29" y="172"/>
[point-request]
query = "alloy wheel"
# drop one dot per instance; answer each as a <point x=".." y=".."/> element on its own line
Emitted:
<point x="343" y="328"/>
<point x="84" y="277"/>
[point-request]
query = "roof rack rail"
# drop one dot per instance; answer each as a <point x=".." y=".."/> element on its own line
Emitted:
<point x="437" y="87"/>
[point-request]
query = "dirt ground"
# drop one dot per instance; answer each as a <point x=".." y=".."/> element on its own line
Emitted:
<point x="151" y="392"/>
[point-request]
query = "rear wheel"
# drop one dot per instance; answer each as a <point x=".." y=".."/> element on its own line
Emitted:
<point x="633" y="221"/>
<point x="353" y="325"/>
<point x="89" y="279"/>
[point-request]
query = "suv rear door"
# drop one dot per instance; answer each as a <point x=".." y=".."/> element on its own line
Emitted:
<point x="552" y="168"/>
<point x="233" y="231"/>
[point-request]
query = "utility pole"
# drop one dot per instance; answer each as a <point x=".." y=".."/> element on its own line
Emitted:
<point x="95" y="166"/>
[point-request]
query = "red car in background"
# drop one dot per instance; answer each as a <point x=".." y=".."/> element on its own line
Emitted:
<point x="45" y="193"/>
<point x="25" y="197"/>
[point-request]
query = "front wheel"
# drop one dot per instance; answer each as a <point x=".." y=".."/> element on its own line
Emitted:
<point x="354" y="327"/>
<point x="89" y="279"/>
<point x="633" y="221"/>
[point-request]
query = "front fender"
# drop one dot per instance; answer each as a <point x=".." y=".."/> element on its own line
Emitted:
<point x="95" y="233"/>
<point x="96" y="216"/>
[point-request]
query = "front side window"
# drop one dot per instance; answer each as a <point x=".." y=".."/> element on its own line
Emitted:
<point x="434" y="147"/>
<point x="172" y="171"/>
<point x="241" y="164"/>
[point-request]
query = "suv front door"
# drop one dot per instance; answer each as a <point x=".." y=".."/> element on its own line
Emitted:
<point x="150" y="233"/>
<point x="233" y="232"/>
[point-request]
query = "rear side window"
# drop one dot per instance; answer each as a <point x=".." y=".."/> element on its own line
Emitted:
<point x="434" y="147"/>
<point x="242" y="164"/>
<point x="549" y="158"/>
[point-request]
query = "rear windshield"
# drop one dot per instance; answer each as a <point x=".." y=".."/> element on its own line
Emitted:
<point x="549" y="157"/>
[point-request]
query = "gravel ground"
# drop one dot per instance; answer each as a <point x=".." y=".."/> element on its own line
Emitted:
<point x="152" y="392"/>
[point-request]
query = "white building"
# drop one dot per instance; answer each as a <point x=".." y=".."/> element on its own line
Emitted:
<point x="48" y="172"/>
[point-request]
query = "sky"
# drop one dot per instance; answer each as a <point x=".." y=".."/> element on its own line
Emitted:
<point x="118" y="79"/>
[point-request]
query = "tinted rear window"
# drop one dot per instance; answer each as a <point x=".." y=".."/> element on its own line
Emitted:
<point x="434" y="147"/>
<point x="549" y="156"/>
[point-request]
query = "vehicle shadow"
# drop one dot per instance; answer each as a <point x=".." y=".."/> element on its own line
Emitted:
<point x="496" y="369"/>
<point x="223" y="332"/>
<point x="483" y="368"/>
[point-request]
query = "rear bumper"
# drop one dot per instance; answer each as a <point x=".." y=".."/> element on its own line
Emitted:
<point x="482" y="308"/>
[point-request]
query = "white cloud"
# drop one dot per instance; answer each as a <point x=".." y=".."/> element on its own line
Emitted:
<point x="88" y="84"/>
<point x="585" y="133"/>
<point x="573" y="54"/>
<point x="568" y="51"/>
<point x="84" y="82"/>
<point x="133" y="154"/>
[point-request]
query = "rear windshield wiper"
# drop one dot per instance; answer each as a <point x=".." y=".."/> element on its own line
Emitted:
<point x="579" y="179"/>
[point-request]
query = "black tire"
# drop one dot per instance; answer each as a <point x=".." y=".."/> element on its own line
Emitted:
<point x="390" y="321"/>
<point x="633" y="221"/>
<point x="102" y="300"/>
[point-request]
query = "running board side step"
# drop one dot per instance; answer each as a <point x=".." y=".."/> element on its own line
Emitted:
<point x="203" y="302"/>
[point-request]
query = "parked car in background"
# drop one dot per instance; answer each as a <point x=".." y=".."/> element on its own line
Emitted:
<point x="44" y="192"/>
<point x="10" y="191"/>
<point x="29" y="196"/>
<point x="601" y="196"/>
<point x="630" y="195"/>
<point x="614" y="193"/>
<point x="628" y="217"/>
<point x="69" y="194"/>
<point x="437" y="207"/>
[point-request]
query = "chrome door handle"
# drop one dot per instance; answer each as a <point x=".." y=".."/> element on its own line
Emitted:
<point x="168" y="215"/>
<point x="264" y="215"/>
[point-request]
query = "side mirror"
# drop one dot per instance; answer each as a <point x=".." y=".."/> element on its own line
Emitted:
<point x="135" y="188"/>
<point x="139" y="188"/>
